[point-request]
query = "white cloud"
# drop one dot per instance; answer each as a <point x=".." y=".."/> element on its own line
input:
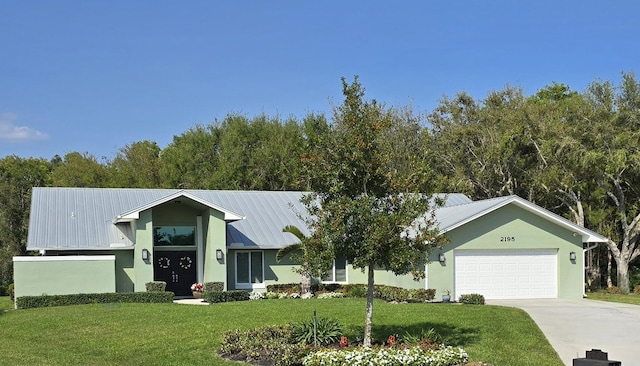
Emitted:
<point x="9" y="130"/>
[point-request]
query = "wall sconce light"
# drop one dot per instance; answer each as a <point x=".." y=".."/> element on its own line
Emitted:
<point x="572" y="256"/>
<point x="441" y="258"/>
<point x="219" y="254"/>
<point x="145" y="255"/>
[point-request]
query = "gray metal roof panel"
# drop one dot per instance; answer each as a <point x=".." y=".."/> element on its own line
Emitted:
<point x="82" y="218"/>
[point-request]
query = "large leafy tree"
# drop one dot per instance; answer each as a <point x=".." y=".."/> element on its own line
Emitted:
<point x="79" y="170"/>
<point x="364" y="208"/>
<point x="17" y="178"/>
<point x="136" y="166"/>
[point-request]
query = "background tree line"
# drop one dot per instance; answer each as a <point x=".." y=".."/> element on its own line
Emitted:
<point x="575" y="153"/>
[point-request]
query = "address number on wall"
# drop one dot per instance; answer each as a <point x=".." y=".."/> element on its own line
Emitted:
<point x="504" y="239"/>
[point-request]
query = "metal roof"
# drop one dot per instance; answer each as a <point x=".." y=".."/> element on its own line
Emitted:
<point x="98" y="218"/>
<point x="451" y="217"/>
<point x="87" y="218"/>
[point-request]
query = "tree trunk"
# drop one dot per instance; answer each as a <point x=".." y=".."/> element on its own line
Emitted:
<point x="305" y="282"/>
<point x="623" y="276"/>
<point x="369" y="315"/>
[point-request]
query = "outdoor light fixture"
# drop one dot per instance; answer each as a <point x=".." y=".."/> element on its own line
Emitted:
<point x="145" y="255"/>
<point x="572" y="256"/>
<point x="441" y="258"/>
<point x="218" y="254"/>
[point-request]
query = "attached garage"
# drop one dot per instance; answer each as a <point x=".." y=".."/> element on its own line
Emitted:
<point x="509" y="248"/>
<point x="507" y="274"/>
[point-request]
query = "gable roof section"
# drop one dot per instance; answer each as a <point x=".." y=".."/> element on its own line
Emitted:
<point x="134" y="214"/>
<point x="452" y="217"/>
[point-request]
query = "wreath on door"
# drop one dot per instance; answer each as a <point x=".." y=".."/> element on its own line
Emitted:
<point x="164" y="262"/>
<point x="185" y="262"/>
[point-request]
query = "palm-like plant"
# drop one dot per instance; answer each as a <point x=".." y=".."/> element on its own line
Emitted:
<point x="298" y="248"/>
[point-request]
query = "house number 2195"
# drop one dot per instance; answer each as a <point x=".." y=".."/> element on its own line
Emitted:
<point x="507" y="238"/>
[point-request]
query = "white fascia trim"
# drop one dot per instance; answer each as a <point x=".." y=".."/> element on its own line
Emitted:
<point x="135" y="214"/>
<point x="65" y="258"/>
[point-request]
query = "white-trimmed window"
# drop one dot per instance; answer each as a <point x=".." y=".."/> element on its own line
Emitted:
<point x="338" y="273"/>
<point x="249" y="270"/>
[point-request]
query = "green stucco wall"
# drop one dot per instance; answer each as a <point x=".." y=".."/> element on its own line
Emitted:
<point x="215" y="237"/>
<point x="144" y="240"/>
<point x="61" y="275"/>
<point x="530" y="232"/>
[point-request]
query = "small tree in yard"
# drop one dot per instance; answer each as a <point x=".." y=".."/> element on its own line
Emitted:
<point x="363" y="208"/>
<point x="297" y="252"/>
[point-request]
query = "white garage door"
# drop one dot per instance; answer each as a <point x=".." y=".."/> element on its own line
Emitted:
<point x="506" y="274"/>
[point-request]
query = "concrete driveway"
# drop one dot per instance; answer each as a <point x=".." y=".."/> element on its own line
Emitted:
<point x="575" y="326"/>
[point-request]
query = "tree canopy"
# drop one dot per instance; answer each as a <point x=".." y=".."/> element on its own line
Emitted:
<point x="364" y="208"/>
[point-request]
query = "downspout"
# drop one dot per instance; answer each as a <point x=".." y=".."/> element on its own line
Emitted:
<point x="584" y="278"/>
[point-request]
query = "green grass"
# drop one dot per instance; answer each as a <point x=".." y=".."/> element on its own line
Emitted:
<point x="172" y="334"/>
<point x="628" y="299"/>
<point x="5" y="303"/>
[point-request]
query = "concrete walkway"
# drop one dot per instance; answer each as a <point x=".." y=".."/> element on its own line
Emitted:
<point x="575" y="326"/>
<point x="190" y="301"/>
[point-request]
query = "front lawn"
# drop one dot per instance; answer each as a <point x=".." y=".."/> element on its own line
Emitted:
<point x="5" y="303"/>
<point x="628" y="299"/>
<point x="172" y="334"/>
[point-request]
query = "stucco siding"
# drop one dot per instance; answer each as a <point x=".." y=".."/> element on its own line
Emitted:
<point x="512" y="228"/>
<point x="215" y="239"/>
<point x="62" y="275"/>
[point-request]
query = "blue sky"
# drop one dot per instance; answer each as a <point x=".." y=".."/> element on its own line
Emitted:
<point x="94" y="76"/>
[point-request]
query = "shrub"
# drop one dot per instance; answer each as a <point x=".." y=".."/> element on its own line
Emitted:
<point x="26" y="302"/>
<point x="387" y="356"/>
<point x="329" y="287"/>
<point x="473" y="299"/>
<point x="12" y="292"/>
<point x="391" y="293"/>
<point x="213" y="297"/>
<point x="270" y="295"/>
<point x="425" y="338"/>
<point x="237" y="295"/>
<point x="287" y="288"/>
<point x="421" y="295"/>
<point x="268" y="344"/>
<point x="613" y="290"/>
<point x="213" y="286"/>
<point x="155" y="286"/>
<point x="635" y="290"/>
<point x="256" y="295"/>
<point x="327" y="331"/>
<point x="355" y="290"/>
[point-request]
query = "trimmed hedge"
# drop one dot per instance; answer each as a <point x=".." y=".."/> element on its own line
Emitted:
<point x="154" y="286"/>
<point x="225" y="296"/>
<point x="213" y="286"/>
<point x="27" y="302"/>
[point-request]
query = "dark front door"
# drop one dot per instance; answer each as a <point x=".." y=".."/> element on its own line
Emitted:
<point x="177" y="269"/>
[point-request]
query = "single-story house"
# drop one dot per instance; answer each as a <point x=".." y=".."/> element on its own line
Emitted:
<point x="94" y="240"/>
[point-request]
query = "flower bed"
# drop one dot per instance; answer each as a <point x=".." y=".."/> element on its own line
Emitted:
<point x="414" y="356"/>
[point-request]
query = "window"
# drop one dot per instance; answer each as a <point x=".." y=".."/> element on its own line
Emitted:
<point x="174" y="236"/>
<point x="249" y="270"/>
<point x="338" y="273"/>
